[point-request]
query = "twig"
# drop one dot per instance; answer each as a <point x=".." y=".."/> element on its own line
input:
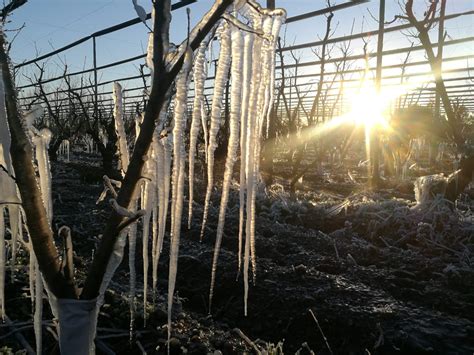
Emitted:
<point x="131" y="220"/>
<point x="104" y="348"/>
<point x="321" y="331"/>
<point x="385" y="242"/>
<point x="13" y="5"/>
<point x="20" y="337"/>
<point x="337" y="252"/>
<point x="380" y="341"/>
<point x="247" y="340"/>
<point x="140" y="346"/>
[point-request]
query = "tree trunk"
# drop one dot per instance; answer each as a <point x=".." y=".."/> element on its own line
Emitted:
<point x="53" y="149"/>
<point x="162" y="79"/>
<point x="460" y="179"/>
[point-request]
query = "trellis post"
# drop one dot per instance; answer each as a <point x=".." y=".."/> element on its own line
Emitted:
<point x="437" y="106"/>
<point x="374" y="136"/>
<point x="94" y="56"/>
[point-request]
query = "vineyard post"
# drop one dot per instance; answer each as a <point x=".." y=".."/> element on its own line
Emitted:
<point x="374" y="135"/>
<point x="437" y="108"/>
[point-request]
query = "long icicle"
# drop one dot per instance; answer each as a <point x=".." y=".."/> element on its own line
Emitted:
<point x="163" y="176"/>
<point x="216" y="111"/>
<point x="148" y="202"/>
<point x="262" y="79"/>
<point x="235" y="113"/>
<point x="182" y="83"/>
<point x="250" y="161"/>
<point x="200" y="74"/>
<point x="124" y="158"/>
<point x="16" y="233"/>
<point x="247" y="74"/>
<point x="160" y="178"/>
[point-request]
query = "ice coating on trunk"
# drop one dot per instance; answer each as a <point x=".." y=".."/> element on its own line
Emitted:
<point x="237" y="49"/>
<point x="120" y="128"/>
<point x="200" y="74"/>
<point x="179" y="162"/>
<point x="216" y="112"/>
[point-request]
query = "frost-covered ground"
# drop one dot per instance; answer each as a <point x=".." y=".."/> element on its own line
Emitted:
<point x="377" y="273"/>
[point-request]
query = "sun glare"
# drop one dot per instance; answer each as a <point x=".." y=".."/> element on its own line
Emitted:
<point x="370" y="108"/>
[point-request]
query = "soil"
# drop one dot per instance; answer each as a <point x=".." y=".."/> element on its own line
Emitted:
<point x="340" y="270"/>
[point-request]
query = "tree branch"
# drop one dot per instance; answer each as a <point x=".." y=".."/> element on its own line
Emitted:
<point x="162" y="81"/>
<point x="35" y="212"/>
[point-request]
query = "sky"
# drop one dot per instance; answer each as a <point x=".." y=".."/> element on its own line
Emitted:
<point x="50" y="24"/>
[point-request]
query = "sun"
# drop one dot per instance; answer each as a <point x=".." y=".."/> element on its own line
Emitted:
<point x="371" y="109"/>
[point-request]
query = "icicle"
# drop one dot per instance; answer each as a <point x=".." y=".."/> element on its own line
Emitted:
<point x="148" y="203"/>
<point x="259" y="107"/>
<point x="216" y="111"/>
<point x="250" y="151"/>
<point x="138" y="123"/>
<point x="200" y="74"/>
<point x="277" y="23"/>
<point x="41" y="142"/>
<point x="14" y="214"/>
<point x="120" y="128"/>
<point x="141" y="12"/>
<point x="182" y="83"/>
<point x="149" y="55"/>
<point x="31" y="274"/>
<point x="246" y="79"/>
<point x="163" y="177"/>
<point x="160" y="162"/>
<point x="262" y="78"/>
<point x="235" y="113"/>
<point x="124" y="161"/>
<point x="205" y="131"/>
<point x="64" y="149"/>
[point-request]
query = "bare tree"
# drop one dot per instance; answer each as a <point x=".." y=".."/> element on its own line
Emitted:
<point x="41" y="234"/>
<point x="464" y="176"/>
